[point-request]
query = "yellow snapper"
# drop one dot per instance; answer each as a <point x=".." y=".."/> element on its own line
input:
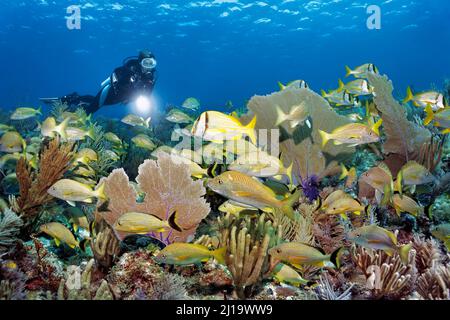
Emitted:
<point x="60" y="234"/>
<point x="142" y="223"/>
<point x="353" y="134"/>
<point x="339" y="98"/>
<point x="244" y="189"/>
<point x="12" y="142"/>
<point x="378" y="177"/>
<point x="286" y="274"/>
<point x="195" y="169"/>
<point x="5" y="128"/>
<point x="332" y="197"/>
<point x="77" y="134"/>
<point x="134" y="120"/>
<point x="73" y="191"/>
<point x="442" y="232"/>
<point x="406" y="204"/>
<point x="375" y="237"/>
<point x="177" y="116"/>
<point x="49" y="128"/>
<point x="261" y="164"/>
<point x="75" y="118"/>
<point x="191" y="104"/>
<point x="298" y="254"/>
<point x="433" y="98"/>
<point x="143" y="141"/>
<point x="25" y="113"/>
<point x="297" y="116"/>
<point x="361" y="71"/>
<point x="440" y="119"/>
<point x="296" y="84"/>
<point x="412" y="174"/>
<point x="85" y="156"/>
<point x="112" y="155"/>
<point x="236" y="208"/>
<point x="359" y="87"/>
<point x="187" y="253"/>
<point x="113" y="138"/>
<point x="86" y="172"/>
<point x="77" y="218"/>
<point x="349" y="174"/>
<point x="216" y="126"/>
<point x="345" y="205"/>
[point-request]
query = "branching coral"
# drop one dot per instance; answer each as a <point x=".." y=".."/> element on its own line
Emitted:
<point x="434" y="284"/>
<point x="302" y="146"/>
<point x="10" y="225"/>
<point x="54" y="161"/>
<point x="78" y="285"/>
<point x="404" y="137"/>
<point x="387" y="277"/>
<point x="168" y="188"/>
<point x="247" y="241"/>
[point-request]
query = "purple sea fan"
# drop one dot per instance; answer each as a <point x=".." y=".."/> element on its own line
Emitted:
<point x="310" y="186"/>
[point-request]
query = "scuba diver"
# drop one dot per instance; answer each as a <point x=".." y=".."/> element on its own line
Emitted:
<point x="136" y="76"/>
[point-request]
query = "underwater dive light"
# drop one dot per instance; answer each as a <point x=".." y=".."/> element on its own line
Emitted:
<point x="143" y="104"/>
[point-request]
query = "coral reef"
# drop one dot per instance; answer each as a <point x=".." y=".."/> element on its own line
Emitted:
<point x="247" y="242"/>
<point x="54" y="161"/>
<point x="386" y="276"/>
<point x="434" y="284"/>
<point x="302" y="147"/>
<point x="168" y="188"/>
<point x="78" y="285"/>
<point x="404" y="137"/>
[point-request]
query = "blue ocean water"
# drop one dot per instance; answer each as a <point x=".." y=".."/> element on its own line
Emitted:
<point x="217" y="50"/>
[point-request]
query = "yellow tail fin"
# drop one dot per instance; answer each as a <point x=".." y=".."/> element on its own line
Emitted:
<point x="61" y="128"/>
<point x="325" y="137"/>
<point x="398" y="182"/>
<point x="288" y="203"/>
<point x="281" y="86"/>
<point x="281" y="116"/>
<point x="100" y="191"/>
<point x="324" y="94"/>
<point x="250" y="130"/>
<point x="341" y="86"/>
<point x="376" y="127"/>
<point x="409" y="95"/>
<point x="289" y="172"/>
<point x="344" y="172"/>
<point x="404" y="252"/>
<point x="348" y="71"/>
<point x="430" y="115"/>
<point x="220" y="254"/>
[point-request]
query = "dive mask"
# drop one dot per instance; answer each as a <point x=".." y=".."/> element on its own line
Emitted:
<point x="148" y="65"/>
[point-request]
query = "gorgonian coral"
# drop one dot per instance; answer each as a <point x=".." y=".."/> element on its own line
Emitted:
<point x="168" y="188"/>
<point x="404" y="138"/>
<point x="300" y="145"/>
<point x="54" y="161"/>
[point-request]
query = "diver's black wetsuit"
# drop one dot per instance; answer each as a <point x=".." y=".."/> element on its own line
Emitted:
<point x="125" y="83"/>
